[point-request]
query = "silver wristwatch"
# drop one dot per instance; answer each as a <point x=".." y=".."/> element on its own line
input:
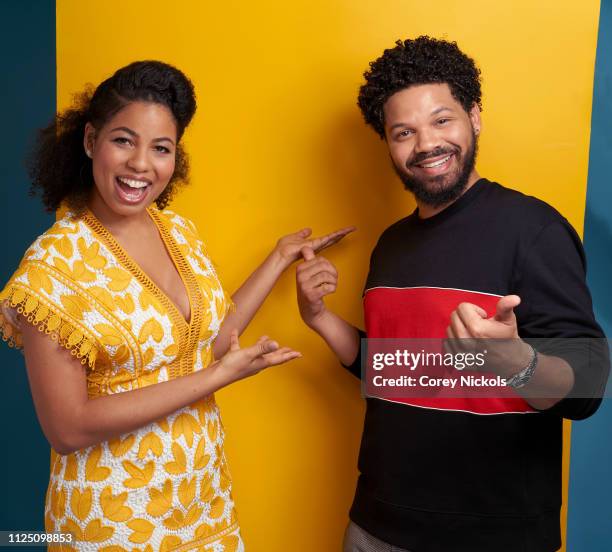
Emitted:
<point x="519" y="380"/>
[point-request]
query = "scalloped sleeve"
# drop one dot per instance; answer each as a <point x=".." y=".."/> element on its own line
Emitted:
<point x="47" y="299"/>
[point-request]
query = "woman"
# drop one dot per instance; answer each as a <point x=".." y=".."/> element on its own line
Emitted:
<point x="129" y="292"/>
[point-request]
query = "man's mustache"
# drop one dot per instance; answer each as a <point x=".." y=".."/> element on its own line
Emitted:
<point x="423" y="156"/>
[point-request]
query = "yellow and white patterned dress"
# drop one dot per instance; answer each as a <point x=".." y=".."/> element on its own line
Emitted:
<point x="165" y="486"/>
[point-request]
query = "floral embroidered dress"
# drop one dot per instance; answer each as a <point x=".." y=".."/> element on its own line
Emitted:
<point x="165" y="486"/>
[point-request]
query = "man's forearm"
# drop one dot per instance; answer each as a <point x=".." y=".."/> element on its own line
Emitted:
<point x="552" y="380"/>
<point x="343" y="338"/>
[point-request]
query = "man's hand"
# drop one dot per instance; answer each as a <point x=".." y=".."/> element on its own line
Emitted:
<point x="507" y="354"/>
<point x="469" y="320"/>
<point x="316" y="277"/>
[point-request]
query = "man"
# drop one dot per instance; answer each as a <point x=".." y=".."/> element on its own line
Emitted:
<point x="475" y="259"/>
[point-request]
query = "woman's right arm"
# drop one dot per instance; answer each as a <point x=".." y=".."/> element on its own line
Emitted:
<point x="71" y="421"/>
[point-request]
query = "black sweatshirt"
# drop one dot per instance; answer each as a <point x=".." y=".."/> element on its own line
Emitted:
<point x="473" y="474"/>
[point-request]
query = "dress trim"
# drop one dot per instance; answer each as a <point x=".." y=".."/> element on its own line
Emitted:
<point x="188" y="331"/>
<point x="187" y="360"/>
<point x="47" y="318"/>
<point x="187" y="546"/>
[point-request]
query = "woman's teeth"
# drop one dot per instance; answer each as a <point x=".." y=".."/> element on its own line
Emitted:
<point x="435" y="163"/>
<point x="132" y="191"/>
<point x="133" y="183"/>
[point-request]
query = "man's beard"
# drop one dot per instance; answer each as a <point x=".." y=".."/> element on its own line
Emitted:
<point x="433" y="191"/>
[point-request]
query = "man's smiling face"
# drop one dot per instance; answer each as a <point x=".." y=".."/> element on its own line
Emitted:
<point x="432" y="141"/>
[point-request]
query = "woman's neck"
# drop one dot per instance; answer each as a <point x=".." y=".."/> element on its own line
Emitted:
<point x="116" y="223"/>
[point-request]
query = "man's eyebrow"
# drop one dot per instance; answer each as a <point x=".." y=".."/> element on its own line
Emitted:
<point x="440" y="109"/>
<point x="434" y="112"/>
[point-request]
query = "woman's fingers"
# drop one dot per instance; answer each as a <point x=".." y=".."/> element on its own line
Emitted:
<point x="303" y="233"/>
<point x="318" y="244"/>
<point x="340" y="233"/>
<point x="281" y="358"/>
<point x="262" y="347"/>
<point x="251" y="360"/>
<point x="275" y="358"/>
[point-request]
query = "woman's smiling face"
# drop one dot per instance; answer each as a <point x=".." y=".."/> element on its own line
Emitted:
<point x="133" y="157"/>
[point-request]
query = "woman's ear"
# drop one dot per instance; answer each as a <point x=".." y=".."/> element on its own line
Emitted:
<point x="89" y="137"/>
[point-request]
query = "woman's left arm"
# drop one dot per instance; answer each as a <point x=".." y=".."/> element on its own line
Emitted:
<point x="252" y="293"/>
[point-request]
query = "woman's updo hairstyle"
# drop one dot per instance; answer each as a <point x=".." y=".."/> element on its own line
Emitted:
<point x="58" y="166"/>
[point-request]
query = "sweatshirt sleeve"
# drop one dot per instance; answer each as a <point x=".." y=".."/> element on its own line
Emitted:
<point x="355" y="367"/>
<point x="556" y="311"/>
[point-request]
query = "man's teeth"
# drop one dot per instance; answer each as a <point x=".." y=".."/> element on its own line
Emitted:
<point x="133" y="183"/>
<point x="435" y="163"/>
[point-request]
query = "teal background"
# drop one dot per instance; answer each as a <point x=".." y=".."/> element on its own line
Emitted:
<point x="27" y="43"/>
<point x="589" y="524"/>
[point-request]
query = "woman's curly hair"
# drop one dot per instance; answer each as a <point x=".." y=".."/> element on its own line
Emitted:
<point x="423" y="60"/>
<point x="58" y="166"/>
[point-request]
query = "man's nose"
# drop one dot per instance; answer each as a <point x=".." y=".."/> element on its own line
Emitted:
<point x="427" y="140"/>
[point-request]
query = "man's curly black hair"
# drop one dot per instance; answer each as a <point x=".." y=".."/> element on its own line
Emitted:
<point x="423" y="60"/>
<point x="58" y="166"/>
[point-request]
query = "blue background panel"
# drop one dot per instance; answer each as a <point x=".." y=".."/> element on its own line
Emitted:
<point x="589" y="523"/>
<point x="27" y="41"/>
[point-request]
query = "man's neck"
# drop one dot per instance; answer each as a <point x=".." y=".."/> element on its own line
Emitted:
<point x="427" y="211"/>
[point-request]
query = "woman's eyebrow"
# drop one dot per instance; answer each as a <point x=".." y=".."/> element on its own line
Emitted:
<point x="135" y="134"/>
<point x="126" y="129"/>
<point x="164" y="139"/>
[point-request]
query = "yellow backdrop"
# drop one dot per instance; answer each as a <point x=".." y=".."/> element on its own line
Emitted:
<point x="278" y="144"/>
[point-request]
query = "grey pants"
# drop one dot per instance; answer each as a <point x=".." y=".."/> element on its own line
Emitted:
<point x="358" y="540"/>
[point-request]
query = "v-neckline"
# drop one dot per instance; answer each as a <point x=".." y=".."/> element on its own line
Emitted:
<point x="178" y="260"/>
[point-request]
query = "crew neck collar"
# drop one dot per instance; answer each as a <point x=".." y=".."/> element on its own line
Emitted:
<point x="460" y="203"/>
